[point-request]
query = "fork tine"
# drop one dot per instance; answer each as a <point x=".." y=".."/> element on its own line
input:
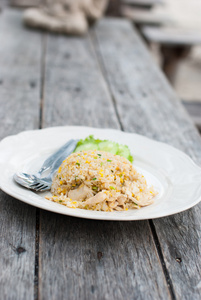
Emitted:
<point x="35" y="184"/>
<point x="38" y="183"/>
<point x="39" y="189"/>
<point x="42" y="188"/>
<point x="39" y="186"/>
<point x="45" y="188"/>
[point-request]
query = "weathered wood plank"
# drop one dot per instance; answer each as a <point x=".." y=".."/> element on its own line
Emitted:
<point x="141" y="17"/>
<point x="75" y="92"/>
<point x="84" y="259"/>
<point x="79" y="258"/>
<point x="172" y="36"/>
<point x="3" y="4"/>
<point x="98" y="260"/>
<point x="25" y="3"/>
<point x="20" y="58"/>
<point x="19" y="101"/>
<point x="147" y="105"/>
<point x="17" y="243"/>
<point x="143" y="3"/>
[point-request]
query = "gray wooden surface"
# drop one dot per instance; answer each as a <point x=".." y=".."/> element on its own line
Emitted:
<point x="147" y="105"/>
<point x="194" y="110"/>
<point x="19" y="101"/>
<point x="106" y="79"/>
<point x="25" y="3"/>
<point x="86" y="100"/>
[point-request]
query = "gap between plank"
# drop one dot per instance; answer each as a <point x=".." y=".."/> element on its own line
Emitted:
<point x="42" y="79"/>
<point x="151" y="224"/>
<point x="36" y="254"/>
<point x="42" y="83"/>
<point x="103" y="71"/>
<point x="160" y="254"/>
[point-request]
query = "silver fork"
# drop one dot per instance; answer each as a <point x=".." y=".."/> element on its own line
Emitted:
<point x="47" y="165"/>
<point x="42" y="184"/>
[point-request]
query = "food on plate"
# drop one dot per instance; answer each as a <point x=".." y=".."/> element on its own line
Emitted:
<point x="104" y="145"/>
<point x="99" y="180"/>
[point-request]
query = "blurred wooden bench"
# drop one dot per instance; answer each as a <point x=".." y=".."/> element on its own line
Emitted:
<point x="145" y="4"/>
<point x="175" y="44"/>
<point x="140" y="16"/>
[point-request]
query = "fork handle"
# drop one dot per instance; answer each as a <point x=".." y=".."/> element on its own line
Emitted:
<point x="71" y="147"/>
<point x="49" y="162"/>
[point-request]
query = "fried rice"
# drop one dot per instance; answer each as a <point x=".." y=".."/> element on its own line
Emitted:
<point x="98" y="180"/>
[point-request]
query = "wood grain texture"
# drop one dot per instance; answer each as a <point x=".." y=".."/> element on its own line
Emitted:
<point x="19" y="110"/>
<point x="17" y="244"/>
<point x="75" y="92"/>
<point x="147" y="105"/>
<point x="19" y="75"/>
<point x="79" y="258"/>
<point x="84" y="259"/>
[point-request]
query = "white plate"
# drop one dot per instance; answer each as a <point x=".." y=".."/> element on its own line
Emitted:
<point x="169" y="170"/>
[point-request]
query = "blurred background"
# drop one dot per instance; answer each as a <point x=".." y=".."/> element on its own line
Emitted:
<point x="172" y="31"/>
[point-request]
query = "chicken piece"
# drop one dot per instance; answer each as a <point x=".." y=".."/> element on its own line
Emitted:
<point x="81" y="193"/>
<point x="100" y="197"/>
<point x="147" y="201"/>
<point x="121" y="200"/>
<point x="113" y="204"/>
<point x="119" y="208"/>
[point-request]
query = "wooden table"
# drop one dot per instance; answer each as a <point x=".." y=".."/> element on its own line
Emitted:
<point x="106" y="79"/>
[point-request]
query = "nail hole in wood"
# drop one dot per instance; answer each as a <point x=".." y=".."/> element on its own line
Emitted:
<point x="78" y="89"/>
<point x="99" y="255"/>
<point x="178" y="259"/>
<point x="67" y="55"/>
<point x="32" y="84"/>
<point x="20" y="250"/>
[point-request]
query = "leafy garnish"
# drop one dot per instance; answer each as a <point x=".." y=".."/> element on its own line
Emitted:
<point x="89" y="143"/>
